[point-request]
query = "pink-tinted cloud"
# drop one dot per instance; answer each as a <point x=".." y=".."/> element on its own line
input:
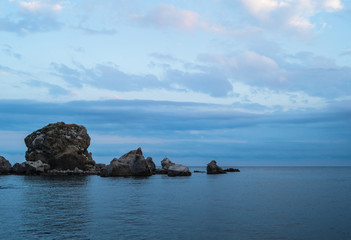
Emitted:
<point x="169" y="16"/>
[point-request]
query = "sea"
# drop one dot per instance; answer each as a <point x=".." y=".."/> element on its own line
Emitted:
<point x="256" y="203"/>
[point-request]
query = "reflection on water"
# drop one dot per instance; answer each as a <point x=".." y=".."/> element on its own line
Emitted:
<point x="257" y="203"/>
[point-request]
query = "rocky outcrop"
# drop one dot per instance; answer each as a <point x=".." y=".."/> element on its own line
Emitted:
<point x="231" y="170"/>
<point x="132" y="163"/>
<point x="151" y="164"/>
<point x="178" y="170"/>
<point x="62" y="146"/>
<point x="212" y="168"/>
<point x="30" y="168"/>
<point x="5" y="166"/>
<point x="166" y="163"/>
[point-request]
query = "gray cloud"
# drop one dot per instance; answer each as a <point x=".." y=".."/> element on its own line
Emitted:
<point x="208" y="80"/>
<point x="7" y="49"/>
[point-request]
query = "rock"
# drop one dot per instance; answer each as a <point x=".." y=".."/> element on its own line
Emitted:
<point x="30" y="168"/>
<point x="160" y="171"/>
<point x="166" y="163"/>
<point x="197" y="171"/>
<point x="212" y="168"/>
<point x="132" y="163"/>
<point x="62" y="146"/>
<point x="5" y="166"/>
<point x="231" y="170"/>
<point x="178" y="170"/>
<point x="151" y="164"/>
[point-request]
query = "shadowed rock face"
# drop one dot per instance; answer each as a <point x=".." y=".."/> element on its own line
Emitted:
<point x="62" y="146"/>
<point x="213" y="168"/>
<point x="5" y="166"/>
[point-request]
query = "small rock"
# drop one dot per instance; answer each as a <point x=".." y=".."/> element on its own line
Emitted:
<point x="5" y="166"/>
<point x="166" y="163"/>
<point x="212" y="168"/>
<point x="178" y="170"/>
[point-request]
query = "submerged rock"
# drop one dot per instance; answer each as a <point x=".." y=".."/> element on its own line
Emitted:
<point x="213" y="168"/>
<point x="30" y="168"/>
<point x="132" y="163"/>
<point x="178" y="170"/>
<point x="62" y="146"/>
<point x="5" y="166"/>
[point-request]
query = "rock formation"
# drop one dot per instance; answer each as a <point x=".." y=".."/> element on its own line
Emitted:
<point x="178" y="170"/>
<point x="132" y="163"/>
<point x="212" y="168"/>
<point x="62" y="146"/>
<point x="231" y="170"/>
<point x="166" y="163"/>
<point x="30" y="168"/>
<point x="5" y="166"/>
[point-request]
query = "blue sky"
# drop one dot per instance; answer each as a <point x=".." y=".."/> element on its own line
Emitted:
<point x="244" y="82"/>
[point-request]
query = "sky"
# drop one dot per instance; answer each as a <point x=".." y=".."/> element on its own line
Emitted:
<point x="243" y="82"/>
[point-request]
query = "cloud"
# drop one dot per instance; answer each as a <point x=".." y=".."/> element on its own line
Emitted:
<point x="169" y="16"/>
<point x="41" y="6"/>
<point x="33" y="16"/>
<point x="7" y="49"/>
<point x="53" y="89"/>
<point x="296" y="15"/>
<point x="106" y="76"/>
<point x="345" y="52"/>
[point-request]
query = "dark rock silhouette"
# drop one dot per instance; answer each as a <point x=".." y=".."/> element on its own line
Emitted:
<point x="213" y="168"/>
<point x="231" y="170"/>
<point x="132" y="163"/>
<point x="62" y="146"/>
<point x="5" y="166"/>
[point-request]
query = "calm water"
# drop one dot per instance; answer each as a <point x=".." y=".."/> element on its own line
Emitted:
<point x="257" y="203"/>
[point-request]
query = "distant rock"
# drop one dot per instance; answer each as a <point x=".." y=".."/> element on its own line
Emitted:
<point x="197" y="171"/>
<point x="30" y="168"/>
<point x="166" y="163"/>
<point x="5" y="166"/>
<point x="178" y="170"/>
<point x="212" y="168"/>
<point x="151" y="164"/>
<point x="132" y="163"/>
<point x="231" y="170"/>
<point x="62" y="146"/>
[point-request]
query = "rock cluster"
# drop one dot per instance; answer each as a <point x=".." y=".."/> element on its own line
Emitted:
<point x="5" y="166"/>
<point x="62" y="149"/>
<point x="62" y="146"/>
<point x="132" y="163"/>
<point x="213" y="168"/>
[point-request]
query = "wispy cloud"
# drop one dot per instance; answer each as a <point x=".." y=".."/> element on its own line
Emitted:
<point x="169" y="16"/>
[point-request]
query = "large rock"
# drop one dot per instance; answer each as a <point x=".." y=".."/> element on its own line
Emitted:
<point x="213" y="168"/>
<point x="166" y="163"/>
<point x="178" y="170"/>
<point x="132" y="163"/>
<point x="30" y="168"/>
<point x="5" y="166"/>
<point x="62" y="146"/>
<point x="151" y="164"/>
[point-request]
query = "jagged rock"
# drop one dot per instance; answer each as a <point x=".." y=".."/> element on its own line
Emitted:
<point x="166" y="163"/>
<point x="231" y="170"/>
<point x="151" y="164"/>
<point x="62" y="146"/>
<point x="132" y="163"/>
<point x="178" y="170"/>
<point x="212" y="168"/>
<point x="30" y="168"/>
<point x="5" y="166"/>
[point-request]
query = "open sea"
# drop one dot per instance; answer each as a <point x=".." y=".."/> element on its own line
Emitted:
<point x="257" y="203"/>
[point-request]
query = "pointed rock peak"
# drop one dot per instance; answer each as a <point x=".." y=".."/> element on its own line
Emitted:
<point x="138" y="151"/>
